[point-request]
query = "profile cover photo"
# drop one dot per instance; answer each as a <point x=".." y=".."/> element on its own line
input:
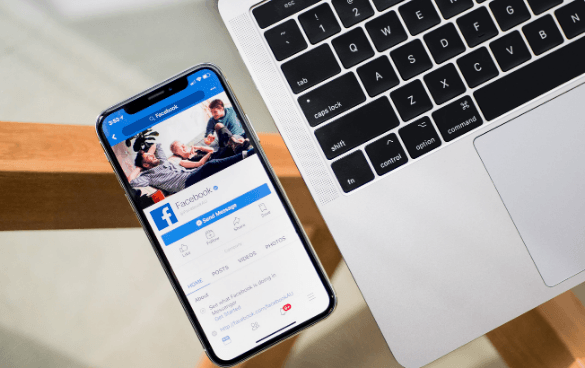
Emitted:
<point x="183" y="150"/>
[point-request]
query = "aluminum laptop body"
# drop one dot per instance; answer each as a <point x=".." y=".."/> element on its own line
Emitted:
<point x="457" y="241"/>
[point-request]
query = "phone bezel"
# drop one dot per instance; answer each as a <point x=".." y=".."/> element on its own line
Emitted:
<point x="158" y="249"/>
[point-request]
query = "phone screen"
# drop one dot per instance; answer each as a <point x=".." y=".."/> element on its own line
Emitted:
<point x="225" y="232"/>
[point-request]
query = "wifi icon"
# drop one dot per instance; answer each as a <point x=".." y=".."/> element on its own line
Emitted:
<point x="198" y="79"/>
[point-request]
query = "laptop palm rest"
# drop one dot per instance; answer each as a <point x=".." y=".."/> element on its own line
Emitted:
<point x="537" y="164"/>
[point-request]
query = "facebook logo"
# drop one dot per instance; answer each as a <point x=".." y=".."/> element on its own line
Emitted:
<point x="163" y="217"/>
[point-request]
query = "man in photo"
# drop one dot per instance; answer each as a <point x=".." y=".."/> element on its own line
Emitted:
<point x="223" y="121"/>
<point x="154" y="169"/>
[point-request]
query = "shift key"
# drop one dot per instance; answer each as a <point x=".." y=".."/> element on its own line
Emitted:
<point x="331" y="99"/>
<point x="357" y="127"/>
<point x="310" y="68"/>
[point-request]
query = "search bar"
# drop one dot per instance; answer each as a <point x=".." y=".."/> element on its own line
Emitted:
<point x="164" y="113"/>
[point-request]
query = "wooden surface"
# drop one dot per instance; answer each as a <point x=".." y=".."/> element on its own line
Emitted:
<point x="551" y="335"/>
<point x="57" y="177"/>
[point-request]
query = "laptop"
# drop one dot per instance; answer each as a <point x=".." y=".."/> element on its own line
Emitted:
<point x="443" y="143"/>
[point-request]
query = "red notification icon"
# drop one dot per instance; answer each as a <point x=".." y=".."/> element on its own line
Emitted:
<point x="286" y="307"/>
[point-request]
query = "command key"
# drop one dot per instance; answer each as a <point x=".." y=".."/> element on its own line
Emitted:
<point x="457" y="118"/>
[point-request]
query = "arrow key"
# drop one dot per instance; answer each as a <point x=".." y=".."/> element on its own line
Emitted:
<point x="420" y="137"/>
<point x="386" y="154"/>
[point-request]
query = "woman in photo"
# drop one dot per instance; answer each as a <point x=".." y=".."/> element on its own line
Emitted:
<point x="191" y="157"/>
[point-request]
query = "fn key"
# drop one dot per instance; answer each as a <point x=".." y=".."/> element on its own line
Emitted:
<point x="352" y="171"/>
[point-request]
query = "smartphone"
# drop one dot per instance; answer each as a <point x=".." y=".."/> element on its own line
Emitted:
<point x="195" y="174"/>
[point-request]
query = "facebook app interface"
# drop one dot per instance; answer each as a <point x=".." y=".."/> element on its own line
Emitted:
<point x="216" y="214"/>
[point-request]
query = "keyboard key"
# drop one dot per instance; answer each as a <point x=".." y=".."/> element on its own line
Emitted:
<point x="386" y="154"/>
<point x="319" y="23"/>
<point x="353" y="47"/>
<point x="285" y="40"/>
<point x="303" y="72"/>
<point x="444" y="43"/>
<point x="540" y="6"/>
<point x="419" y="15"/>
<point x="352" y="12"/>
<point x="543" y="34"/>
<point x="572" y="18"/>
<point x="275" y="11"/>
<point x="411" y="100"/>
<point x="385" y="4"/>
<point x="457" y="118"/>
<point x="386" y="31"/>
<point x="331" y="99"/>
<point x="352" y="171"/>
<point x="477" y="67"/>
<point x="444" y="84"/>
<point x="420" y="137"/>
<point x="532" y="80"/>
<point x="450" y="8"/>
<point x="378" y="76"/>
<point x="510" y="51"/>
<point x="411" y="59"/>
<point x="357" y="127"/>
<point x="509" y="13"/>
<point x="477" y="27"/>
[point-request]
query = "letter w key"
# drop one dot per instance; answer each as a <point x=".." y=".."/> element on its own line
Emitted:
<point x="386" y="31"/>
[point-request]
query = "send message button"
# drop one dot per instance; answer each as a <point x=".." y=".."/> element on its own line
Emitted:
<point x="216" y="214"/>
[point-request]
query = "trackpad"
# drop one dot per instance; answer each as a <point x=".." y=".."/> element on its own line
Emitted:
<point x="537" y="163"/>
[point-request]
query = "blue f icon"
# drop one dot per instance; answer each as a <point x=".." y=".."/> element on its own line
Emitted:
<point x="163" y="217"/>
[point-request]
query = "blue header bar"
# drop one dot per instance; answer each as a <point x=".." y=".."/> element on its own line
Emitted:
<point x="164" y="113"/>
<point x="216" y="214"/>
<point x="202" y="85"/>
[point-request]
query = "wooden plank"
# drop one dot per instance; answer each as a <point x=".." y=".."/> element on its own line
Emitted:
<point x="54" y="201"/>
<point x="51" y="148"/>
<point x="57" y="177"/>
<point x="551" y="335"/>
<point x="55" y="148"/>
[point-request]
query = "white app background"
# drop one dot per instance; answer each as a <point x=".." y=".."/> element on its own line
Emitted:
<point x="247" y="276"/>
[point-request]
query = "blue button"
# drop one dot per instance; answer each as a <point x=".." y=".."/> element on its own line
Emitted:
<point x="216" y="214"/>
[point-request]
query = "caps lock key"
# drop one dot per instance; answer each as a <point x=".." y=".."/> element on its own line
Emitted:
<point x="331" y="99"/>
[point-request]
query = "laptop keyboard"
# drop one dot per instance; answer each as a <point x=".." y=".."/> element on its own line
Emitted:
<point x="409" y="76"/>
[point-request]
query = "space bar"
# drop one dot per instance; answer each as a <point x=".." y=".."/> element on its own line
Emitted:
<point x="533" y="80"/>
